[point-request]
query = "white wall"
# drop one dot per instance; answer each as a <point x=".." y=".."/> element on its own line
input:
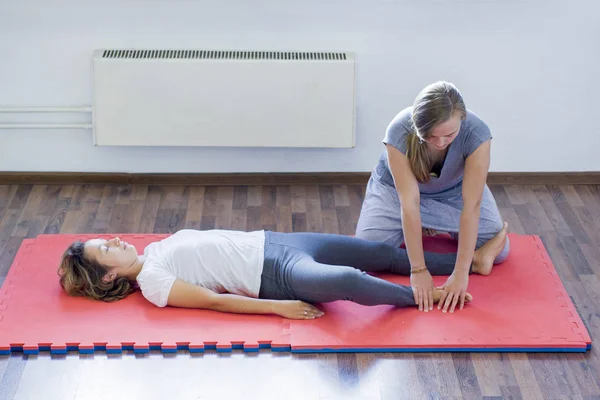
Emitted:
<point x="529" y="68"/>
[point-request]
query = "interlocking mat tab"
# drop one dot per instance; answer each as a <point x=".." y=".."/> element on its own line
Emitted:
<point x="521" y="306"/>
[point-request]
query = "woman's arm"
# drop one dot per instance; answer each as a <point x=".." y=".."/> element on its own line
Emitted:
<point x="186" y="295"/>
<point x="476" y="170"/>
<point x="410" y="198"/>
<point x="410" y="202"/>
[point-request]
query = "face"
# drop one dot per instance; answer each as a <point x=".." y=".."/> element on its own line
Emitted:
<point x="443" y="134"/>
<point x="117" y="255"/>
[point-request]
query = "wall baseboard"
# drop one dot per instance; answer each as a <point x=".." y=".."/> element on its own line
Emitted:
<point x="339" y="178"/>
<point x="208" y="179"/>
<point x="544" y="178"/>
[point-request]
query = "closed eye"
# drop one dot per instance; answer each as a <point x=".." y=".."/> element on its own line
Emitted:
<point x="103" y="248"/>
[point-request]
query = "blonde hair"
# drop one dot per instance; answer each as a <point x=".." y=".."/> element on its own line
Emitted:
<point x="81" y="276"/>
<point x="435" y="104"/>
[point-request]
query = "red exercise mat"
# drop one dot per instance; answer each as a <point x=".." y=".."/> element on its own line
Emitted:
<point x="36" y="314"/>
<point x="522" y="306"/>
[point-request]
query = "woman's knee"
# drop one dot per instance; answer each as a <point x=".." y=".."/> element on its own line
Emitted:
<point x="350" y="279"/>
<point x="391" y="238"/>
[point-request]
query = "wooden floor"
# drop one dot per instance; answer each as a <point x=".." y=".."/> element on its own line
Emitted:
<point x="566" y="217"/>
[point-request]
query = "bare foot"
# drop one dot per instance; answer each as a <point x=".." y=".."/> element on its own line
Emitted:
<point x="437" y="295"/>
<point x="483" y="259"/>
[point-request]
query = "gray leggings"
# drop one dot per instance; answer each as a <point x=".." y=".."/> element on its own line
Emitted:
<point x="320" y="267"/>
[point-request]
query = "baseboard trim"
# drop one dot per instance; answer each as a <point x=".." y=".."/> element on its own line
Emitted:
<point x="220" y="179"/>
<point x="544" y="178"/>
<point x="216" y="179"/>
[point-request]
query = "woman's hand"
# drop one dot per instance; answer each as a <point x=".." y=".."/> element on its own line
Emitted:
<point x="295" y="309"/>
<point x="453" y="290"/>
<point x="422" y="285"/>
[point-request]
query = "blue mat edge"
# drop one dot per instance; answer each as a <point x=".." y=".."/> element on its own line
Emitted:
<point x="288" y="349"/>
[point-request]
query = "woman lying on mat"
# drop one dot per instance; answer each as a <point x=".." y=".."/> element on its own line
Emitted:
<point x="431" y="176"/>
<point x="259" y="272"/>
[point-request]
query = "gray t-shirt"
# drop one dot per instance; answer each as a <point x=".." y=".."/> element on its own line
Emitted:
<point x="473" y="132"/>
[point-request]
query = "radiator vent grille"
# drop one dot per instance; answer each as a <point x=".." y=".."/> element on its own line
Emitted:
<point x="220" y="55"/>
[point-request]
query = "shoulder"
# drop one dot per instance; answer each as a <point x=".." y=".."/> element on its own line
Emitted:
<point x="401" y="121"/>
<point x="398" y="128"/>
<point x="474" y="132"/>
<point x="155" y="282"/>
<point x="476" y="126"/>
<point x="152" y="273"/>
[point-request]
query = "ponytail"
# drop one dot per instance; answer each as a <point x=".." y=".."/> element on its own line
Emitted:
<point x="418" y="157"/>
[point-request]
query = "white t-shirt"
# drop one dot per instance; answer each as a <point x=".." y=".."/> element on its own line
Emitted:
<point x="220" y="260"/>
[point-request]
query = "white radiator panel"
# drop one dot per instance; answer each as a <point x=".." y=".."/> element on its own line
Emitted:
<point x="206" y="98"/>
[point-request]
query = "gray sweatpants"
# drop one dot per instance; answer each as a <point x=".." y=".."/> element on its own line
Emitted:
<point x="380" y="217"/>
<point x="321" y="267"/>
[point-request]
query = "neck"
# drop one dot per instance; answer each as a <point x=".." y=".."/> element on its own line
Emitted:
<point x="135" y="268"/>
<point x="437" y="154"/>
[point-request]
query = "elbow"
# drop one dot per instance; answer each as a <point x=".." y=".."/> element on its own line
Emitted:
<point x="410" y="203"/>
<point x="410" y="210"/>
<point x="216" y="302"/>
<point x="472" y="207"/>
